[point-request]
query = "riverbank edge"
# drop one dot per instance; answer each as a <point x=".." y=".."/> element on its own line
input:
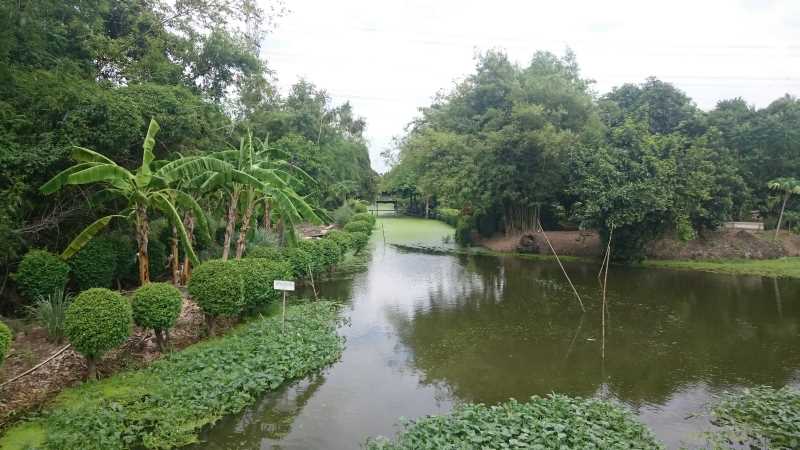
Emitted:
<point x="128" y="389"/>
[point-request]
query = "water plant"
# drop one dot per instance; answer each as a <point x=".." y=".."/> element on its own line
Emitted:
<point x="760" y="417"/>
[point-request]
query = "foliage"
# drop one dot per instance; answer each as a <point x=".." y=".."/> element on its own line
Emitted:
<point x="324" y="253"/>
<point x="50" y="311"/>
<point x="97" y="321"/>
<point x="359" y="226"/>
<point x="343" y="214"/>
<point x="41" y="273"/>
<point x="258" y="275"/>
<point x="359" y="240"/>
<point x="165" y="404"/>
<point x="358" y="206"/>
<point x="266" y="252"/>
<point x="156" y="306"/>
<point x="331" y="250"/>
<point x="761" y="416"/>
<point x="95" y="264"/>
<point x="342" y="238"/>
<point x="364" y="217"/>
<point x="556" y="421"/>
<point x="218" y="288"/>
<point x="449" y="216"/>
<point x="5" y="341"/>
<point x="299" y="260"/>
<point x="774" y="268"/>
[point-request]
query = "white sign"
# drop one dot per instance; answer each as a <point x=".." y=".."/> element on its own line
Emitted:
<point x="282" y="285"/>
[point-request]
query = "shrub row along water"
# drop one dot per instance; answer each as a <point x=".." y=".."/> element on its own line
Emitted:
<point x="164" y="405"/>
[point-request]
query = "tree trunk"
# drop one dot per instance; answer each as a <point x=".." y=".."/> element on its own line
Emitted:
<point x="142" y="238"/>
<point x="267" y="216"/>
<point x="186" y="273"/>
<point x="226" y="245"/>
<point x="279" y="228"/>
<point x="210" y="325"/>
<point x="175" y="258"/>
<point x="159" y="340"/>
<point x="243" y="229"/>
<point x="780" y="218"/>
<point x="91" y="366"/>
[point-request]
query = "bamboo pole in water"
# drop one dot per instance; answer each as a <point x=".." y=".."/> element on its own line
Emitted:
<point x="607" y="263"/>
<point x="562" y="267"/>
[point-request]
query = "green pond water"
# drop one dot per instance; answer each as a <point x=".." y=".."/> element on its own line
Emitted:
<point x="428" y="331"/>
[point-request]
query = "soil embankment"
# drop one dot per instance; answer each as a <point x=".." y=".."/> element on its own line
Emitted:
<point x="723" y="244"/>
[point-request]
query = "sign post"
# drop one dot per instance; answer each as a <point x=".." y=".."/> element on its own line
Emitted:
<point x="283" y="285"/>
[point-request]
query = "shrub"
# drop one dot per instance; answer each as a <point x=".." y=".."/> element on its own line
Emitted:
<point x="258" y="275"/>
<point x="315" y="255"/>
<point x="556" y="421"/>
<point x="342" y="214"/>
<point x="332" y="252"/>
<point x="357" y="206"/>
<point x="299" y="260"/>
<point x="5" y="341"/>
<point x="449" y="216"/>
<point x="50" y="310"/>
<point x="40" y="273"/>
<point x="265" y="252"/>
<point x="159" y="258"/>
<point x="364" y="217"/>
<point x="156" y="306"/>
<point x="342" y="238"/>
<point x="97" y="321"/>
<point x="359" y="240"/>
<point x="359" y="226"/>
<point x="218" y="288"/>
<point x="126" y="269"/>
<point x="95" y="264"/>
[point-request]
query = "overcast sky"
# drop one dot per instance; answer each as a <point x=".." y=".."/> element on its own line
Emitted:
<point x="388" y="58"/>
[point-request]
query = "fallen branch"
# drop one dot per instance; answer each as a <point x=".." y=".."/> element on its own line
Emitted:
<point x="562" y="267"/>
<point x="63" y="349"/>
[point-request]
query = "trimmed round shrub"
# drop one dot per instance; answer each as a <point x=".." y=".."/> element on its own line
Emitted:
<point x="258" y="275"/>
<point x="218" y="288"/>
<point x="358" y="226"/>
<point x="95" y="264"/>
<point x="156" y="306"/>
<point x="41" y="273"/>
<point x="364" y="217"/>
<point x="97" y="321"/>
<point x="5" y="341"/>
<point x="265" y="252"/>
<point x="299" y="260"/>
<point x="315" y="253"/>
<point x="358" y="206"/>
<point x="342" y="238"/>
<point x="359" y="240"/>
<point x="331" y="252"/>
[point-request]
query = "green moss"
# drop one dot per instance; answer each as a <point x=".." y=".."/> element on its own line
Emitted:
<point x="782" y="268"/>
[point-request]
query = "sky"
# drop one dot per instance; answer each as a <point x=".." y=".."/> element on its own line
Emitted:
<point x="389" y="58"/>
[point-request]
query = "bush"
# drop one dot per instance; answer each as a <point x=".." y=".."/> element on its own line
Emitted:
<point x="342" y="238"/>
<point x="218" y="288"/>
<point x="95" y="264"/>
<point x="332" y="252"/>
<point x="299" y="260"/>
<point x="449" y="216"/>
<point x="156" y="306"/>
<point x="342" y="214"/>
<point x="5" y="341"/>
<point x="41" y="273"/>
<point x="325" y="253"/>
<point x="97" y="321"/>
<point x="364" y="217"/>
<point x="556" y="421"/>
<point x="359" y="240"/>
<point x="126" y="268"/>
<point x="316" y="257"/>
<point x="359" y="226"/>
<point x="358" y="206"/>
<point x="265" y="252"/>
<point x="258" y="275"/>
<point x="50" y="310"/>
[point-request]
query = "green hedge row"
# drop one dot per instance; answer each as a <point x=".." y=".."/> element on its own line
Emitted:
<point x="166" y="404"/>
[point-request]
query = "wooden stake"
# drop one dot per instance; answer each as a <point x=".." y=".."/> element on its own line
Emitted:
<point x="63" y="349"/>
<point x="562" y="267"/>
<point x="605" y="285"/>
<point x="313" y="286"/>
<point x="283" y="318"/>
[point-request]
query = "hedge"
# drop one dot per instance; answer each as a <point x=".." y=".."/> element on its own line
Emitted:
<point x="40" y="273"/>
<point x="364" y="217"/>
<point x="342" y="238"/>
<point x="95" y="264"/>
<point x="167" y="403"/>
<point x="265" y="252"/>
<point x="359" y="226"/>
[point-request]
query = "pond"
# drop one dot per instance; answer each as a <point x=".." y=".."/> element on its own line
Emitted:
<point x="428" y="331"/>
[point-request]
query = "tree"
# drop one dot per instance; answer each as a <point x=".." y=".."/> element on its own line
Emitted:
<point x="786" y="186"/>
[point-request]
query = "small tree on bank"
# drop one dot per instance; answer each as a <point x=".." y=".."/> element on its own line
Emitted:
<point x="786" y="186"/>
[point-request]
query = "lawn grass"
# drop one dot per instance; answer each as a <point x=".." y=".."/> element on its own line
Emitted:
<point x="780" y="268"/>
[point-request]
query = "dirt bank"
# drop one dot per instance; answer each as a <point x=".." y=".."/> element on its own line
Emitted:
<point x="723" y="244"/>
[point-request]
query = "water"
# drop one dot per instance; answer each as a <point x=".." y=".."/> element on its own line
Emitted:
<point x="429" y="331"/>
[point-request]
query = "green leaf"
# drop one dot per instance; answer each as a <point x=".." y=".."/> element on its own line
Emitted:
<point x="86" y="235"/>
<point x="163" y="204"/>
<point x="144" y="174"/>
<point x="58" y="181"/>
<point x="186" y="201"/>
<point x="82" y="154"/>
<point x="108" y="173"/>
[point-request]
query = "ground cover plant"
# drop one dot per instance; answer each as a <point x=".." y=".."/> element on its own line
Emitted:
<point x="553" y="422"/>
<point x="165" y="404"/>
<point x="761" y="417"/>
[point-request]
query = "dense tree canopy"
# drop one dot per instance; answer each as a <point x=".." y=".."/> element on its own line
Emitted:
<point x="511" y="146"/>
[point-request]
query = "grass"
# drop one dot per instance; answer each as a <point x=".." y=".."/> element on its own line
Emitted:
<point x="780" y="268"/>
<point x="165" y="404"/>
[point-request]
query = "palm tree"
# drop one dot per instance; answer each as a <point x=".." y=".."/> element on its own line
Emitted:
<point x="786" y="186"/>
<point x="145" y="189"/>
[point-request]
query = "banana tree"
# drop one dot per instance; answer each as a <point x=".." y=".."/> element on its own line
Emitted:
<point x="146" y="189"/>
<point x="786" y="186"/>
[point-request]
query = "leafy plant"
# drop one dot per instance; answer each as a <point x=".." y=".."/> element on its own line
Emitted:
<point x="299" y="260"/>
<point x="165" y="404"/>
<point x="364" y="217"/>
<point x="266" y="252"/>
<point x="40" y="273"/>
<point x="258" y="275"/>
<point x="343" y="214"/>
<point x="50" y="310"/>
<point x="95" y="264"/>
<point x="342" y="238"/>
<point x="5" y="341"/>
<point x="156" y="306"/>
<point x="359" y="226"/>
<point x="553" y="422"/>
<point x="97" y="321"/>
<point x="761" y="416"/>
<point x="218" y="288"/>
<point x="359" y="240"/>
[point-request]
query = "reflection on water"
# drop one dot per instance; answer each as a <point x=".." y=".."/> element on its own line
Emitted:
<point x="429" y="331"/>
